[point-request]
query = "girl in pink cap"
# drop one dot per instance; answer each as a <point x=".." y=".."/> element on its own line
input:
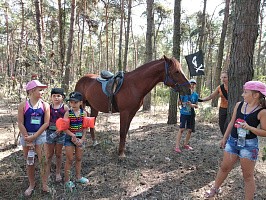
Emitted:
<point x="240" y="141"/>
<point x="33" y="120"/>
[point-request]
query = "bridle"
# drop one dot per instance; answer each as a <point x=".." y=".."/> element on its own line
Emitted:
<point x="169" y="77"/>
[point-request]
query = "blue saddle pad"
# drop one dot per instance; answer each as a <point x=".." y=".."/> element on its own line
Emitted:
<point x="104" y="83"/>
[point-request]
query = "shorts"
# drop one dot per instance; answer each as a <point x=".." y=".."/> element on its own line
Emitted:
<point x="185" y="120"/>
<point x="68" y="141"/>
<point x="249" y="151"/>
<point x="60" y="139"/>
<point x="39" y="140"/>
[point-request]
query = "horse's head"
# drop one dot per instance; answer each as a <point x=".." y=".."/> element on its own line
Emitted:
<point x="175" y="77"/>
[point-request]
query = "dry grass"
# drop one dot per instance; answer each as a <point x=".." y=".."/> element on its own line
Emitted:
<point x="151" y="170"/>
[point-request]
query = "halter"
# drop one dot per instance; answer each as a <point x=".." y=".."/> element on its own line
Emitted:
<point x="168" y="78"/>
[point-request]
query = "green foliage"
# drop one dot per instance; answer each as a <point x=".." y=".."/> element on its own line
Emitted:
<point x="207" y="113"/>
<point x="162" y="94"/>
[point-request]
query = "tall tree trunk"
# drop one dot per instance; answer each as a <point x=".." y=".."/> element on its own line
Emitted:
<point x="172" y="115"/>
<point x="39" y="26"/>
<point x="218" y="70"/>
<point x="22" y="34"/>
<point x="201" y="39"/>
<point x="7" y="41"/>
<point x="92" y="53"/>
<point x="260" y="36"/>
<point x="70" y="45"/>
<point x="61" y="36"/>
<point x="242" y="50"/>
<point x="149" y="47"/>
<point x="135" y="60"/>
<point x="121" y="36"/>
<point x="127" y="35"/>
<point x="106" y="6"/>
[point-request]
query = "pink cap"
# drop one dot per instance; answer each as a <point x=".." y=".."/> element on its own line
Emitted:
<point x="34" y="84"/>
<point x="256" y="86"/>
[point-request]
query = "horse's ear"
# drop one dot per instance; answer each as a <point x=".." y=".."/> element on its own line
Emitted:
<point x="167" y="60"/>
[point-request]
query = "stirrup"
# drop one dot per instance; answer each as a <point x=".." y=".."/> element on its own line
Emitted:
<point x="208" y="194"/>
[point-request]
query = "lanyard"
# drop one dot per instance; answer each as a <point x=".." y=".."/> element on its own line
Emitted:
<point x="56" y="115"/>
<point x="34" y="110"/>
<point x="78" y="120"/>
<point x="245" y="116"/>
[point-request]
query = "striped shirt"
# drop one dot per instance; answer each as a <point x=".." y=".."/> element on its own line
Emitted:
<point x="76" y="122"/>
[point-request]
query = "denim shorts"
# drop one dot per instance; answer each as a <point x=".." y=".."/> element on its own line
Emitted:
<point x="249" y="151"/>
<point x="68" y="141"/>
<point x="39" y="140"/>
<point x="60" y="139"/>
<point x="185" y="120"/>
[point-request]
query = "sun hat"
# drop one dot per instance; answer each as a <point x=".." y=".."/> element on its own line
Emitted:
<point x="75" y="96"/>
<point x="57" y="91"/>
<point x="255" y="85"/>
<point x="193" y="81"/>
<point x="33" y="84"/>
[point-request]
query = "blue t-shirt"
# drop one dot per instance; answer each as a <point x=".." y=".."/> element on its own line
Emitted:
<point x="186" y="109"/>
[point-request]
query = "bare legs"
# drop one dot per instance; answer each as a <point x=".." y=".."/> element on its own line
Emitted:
<point x="41" y="152"/>
<point x="58" y="153"/>
<point x="247" y="166"/>
<point x="69" y="161"/>
<point x="179" y="134"/>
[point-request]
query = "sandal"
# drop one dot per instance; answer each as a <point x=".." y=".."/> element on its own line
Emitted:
<point x="83" y="180"/>
<point x="188" y="147"/>
<point x="70" y="184"/>
<point x="58" y="178"/>
<point x="28" y="193"/>
<point x="177" y="150"/>
<point x="208" y="194"/>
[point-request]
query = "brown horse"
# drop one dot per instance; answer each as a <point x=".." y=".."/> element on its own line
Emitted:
<point x="136" y="85"/>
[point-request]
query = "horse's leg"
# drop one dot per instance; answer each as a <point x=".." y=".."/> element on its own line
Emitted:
<point x="94" y="113"/>
<point x="125" y="120"/>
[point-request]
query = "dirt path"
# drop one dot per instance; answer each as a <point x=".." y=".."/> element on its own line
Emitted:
<point x="151" y="170"/>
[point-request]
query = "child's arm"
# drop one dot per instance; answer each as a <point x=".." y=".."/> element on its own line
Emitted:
<point x="67" y="131"/>
<point x="195" y="105"/>
<point x="230" y="126"/>
<point x="20" y="119"/>
<point x="258" y="131"/>
<point x="84" y="130"/>
<point x="66" y="110"/>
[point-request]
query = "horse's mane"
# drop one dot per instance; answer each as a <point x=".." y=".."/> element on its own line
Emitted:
<point x="148" y="64"/>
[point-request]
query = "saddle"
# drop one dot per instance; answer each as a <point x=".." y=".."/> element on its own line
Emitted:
<point x="111" y="84"/>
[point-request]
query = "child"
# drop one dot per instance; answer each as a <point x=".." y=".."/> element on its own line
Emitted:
<point x="188" y="102"/>
<point x="55" y="138"/>
<point x="246" y="117"/>
<point x="33" y="120"/>
<point x="75" y="138"/>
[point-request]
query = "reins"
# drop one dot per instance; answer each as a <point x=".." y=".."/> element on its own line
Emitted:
<point x="168" y="78"/>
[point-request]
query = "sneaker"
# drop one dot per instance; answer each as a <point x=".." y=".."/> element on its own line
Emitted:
<point x="188" y="147"/>
<point x="177" y="150"/>
<point x="95" y="143"/>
